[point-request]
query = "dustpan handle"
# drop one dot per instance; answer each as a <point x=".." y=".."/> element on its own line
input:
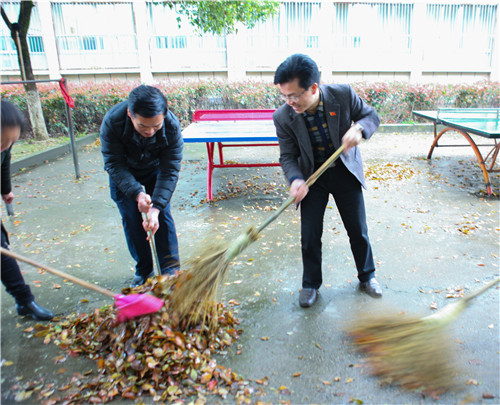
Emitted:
<point x="55" y="272"/>
<point x="309" y="182"/>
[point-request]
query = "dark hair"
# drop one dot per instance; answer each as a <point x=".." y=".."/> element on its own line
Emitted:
<point x="298" y="66"/>
<point x="147" y="101"/>
<point x="11" y="116"/>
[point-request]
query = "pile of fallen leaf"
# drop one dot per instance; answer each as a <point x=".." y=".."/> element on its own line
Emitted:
<point x="152" y="355"/>
<point x="389" y="172"/>
<point x="248" y="187"/>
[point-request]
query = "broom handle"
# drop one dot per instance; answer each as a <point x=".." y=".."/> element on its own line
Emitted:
<point x="152" y="245"/>
<point x="309" y="182"/>
<point x="451" y="311"/>
<point x="481" y="290"/>
<point x="57" y="272"/>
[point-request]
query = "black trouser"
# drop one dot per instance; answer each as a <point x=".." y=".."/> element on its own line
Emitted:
<point x="12" y="278"/>
<point x="346" y="191"/>
<point x="165" y="237"/>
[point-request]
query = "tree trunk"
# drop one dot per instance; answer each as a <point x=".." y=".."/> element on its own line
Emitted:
<point x="19" y="32"/>
<point x="32" y="95"/>
<point x="36" y="115"/>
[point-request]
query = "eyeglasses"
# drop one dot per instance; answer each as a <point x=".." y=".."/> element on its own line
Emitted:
<point x="292" y="98"/>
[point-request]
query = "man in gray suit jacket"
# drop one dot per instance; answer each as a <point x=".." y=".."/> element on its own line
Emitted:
<point x="314" y="121"/>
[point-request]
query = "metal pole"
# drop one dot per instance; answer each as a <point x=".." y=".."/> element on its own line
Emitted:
<point x="69" y="118"/>
<point x="31" y="81"/>
<point x="72" y="139"/>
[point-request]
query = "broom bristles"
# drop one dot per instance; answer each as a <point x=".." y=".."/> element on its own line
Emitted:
<point x="406" y="351"/>
<point x="409" y="351"/>
<point x="197" y="288"/>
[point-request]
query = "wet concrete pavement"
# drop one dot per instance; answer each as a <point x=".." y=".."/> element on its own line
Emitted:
<point x="433" y="230"/>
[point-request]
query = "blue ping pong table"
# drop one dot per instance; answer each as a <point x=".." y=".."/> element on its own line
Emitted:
<point x="230" y="128"/>
<point x="483" y="122"/>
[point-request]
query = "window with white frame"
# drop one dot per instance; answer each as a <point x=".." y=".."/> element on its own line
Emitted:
<point x="175" y="44"/>
<point x="331" y="31"/>
<point x="362" y="27"/>
<point x="459" y="36"/>
<point x="95" y="35"/>
<point x="297" y="27"/>
<point x="8" y="53"/>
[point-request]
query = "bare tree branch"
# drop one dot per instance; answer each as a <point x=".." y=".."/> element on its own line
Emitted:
<point x="19" y="33"/>
<point x="5" y="18"/>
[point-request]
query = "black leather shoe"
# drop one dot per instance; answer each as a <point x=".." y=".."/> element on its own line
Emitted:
<point x="35" y="311"/>
<point x="140" y="280"/>
<point x="371" y="287"/>
<point x="308" y="297"/>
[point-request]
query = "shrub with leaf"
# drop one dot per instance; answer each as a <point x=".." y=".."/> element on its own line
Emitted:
<point x="394" y="101"/>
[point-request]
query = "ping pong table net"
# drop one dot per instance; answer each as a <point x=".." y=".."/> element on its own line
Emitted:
<point x="468" y="114"/>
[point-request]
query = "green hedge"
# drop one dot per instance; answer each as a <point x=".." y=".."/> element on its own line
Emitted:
<point x="394" y="101"/>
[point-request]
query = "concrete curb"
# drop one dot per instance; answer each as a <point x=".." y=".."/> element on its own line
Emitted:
<point x="54" y="153"/>
<point x="405" y="128"/>
<point x="50" y="154"/>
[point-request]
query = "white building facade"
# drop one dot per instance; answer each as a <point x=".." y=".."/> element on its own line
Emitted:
<point x="415" y="41"/>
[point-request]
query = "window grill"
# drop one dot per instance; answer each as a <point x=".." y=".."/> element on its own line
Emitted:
<point x="348" y="36"/>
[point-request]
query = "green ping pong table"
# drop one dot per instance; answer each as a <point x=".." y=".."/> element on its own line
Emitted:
<point x="484" y="122"/>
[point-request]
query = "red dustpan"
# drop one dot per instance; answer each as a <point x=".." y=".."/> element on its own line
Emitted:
<point x="133" y="305"/>
<point x="128" y="306"/>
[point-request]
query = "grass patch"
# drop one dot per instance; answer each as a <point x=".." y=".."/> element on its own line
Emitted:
<point x="25" y="148"/>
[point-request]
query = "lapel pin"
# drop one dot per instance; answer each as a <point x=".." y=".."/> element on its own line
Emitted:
<point x="333" y="114"/>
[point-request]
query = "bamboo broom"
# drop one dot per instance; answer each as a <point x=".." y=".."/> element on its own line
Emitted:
<point x="196" y="289"/>
<point x="412" y="352"/>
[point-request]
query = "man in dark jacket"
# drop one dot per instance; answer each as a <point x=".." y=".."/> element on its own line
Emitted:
<point x="142" y="149"/>
<point x="12" y="279"/>
<point x="314" y="121"/>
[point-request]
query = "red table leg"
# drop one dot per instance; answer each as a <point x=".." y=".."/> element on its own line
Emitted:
<point x="221" y="157"/>
<point x="210" y="170"/>
<point x="211" y="165"/>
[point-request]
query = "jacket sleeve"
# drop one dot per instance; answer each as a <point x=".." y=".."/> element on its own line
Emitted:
<point x="114" y="156"/>
<point x="6" y="182"/>
<point x="289" y="150"/>
<point x="363" y="114"/>
<point x="170" y="163"/>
